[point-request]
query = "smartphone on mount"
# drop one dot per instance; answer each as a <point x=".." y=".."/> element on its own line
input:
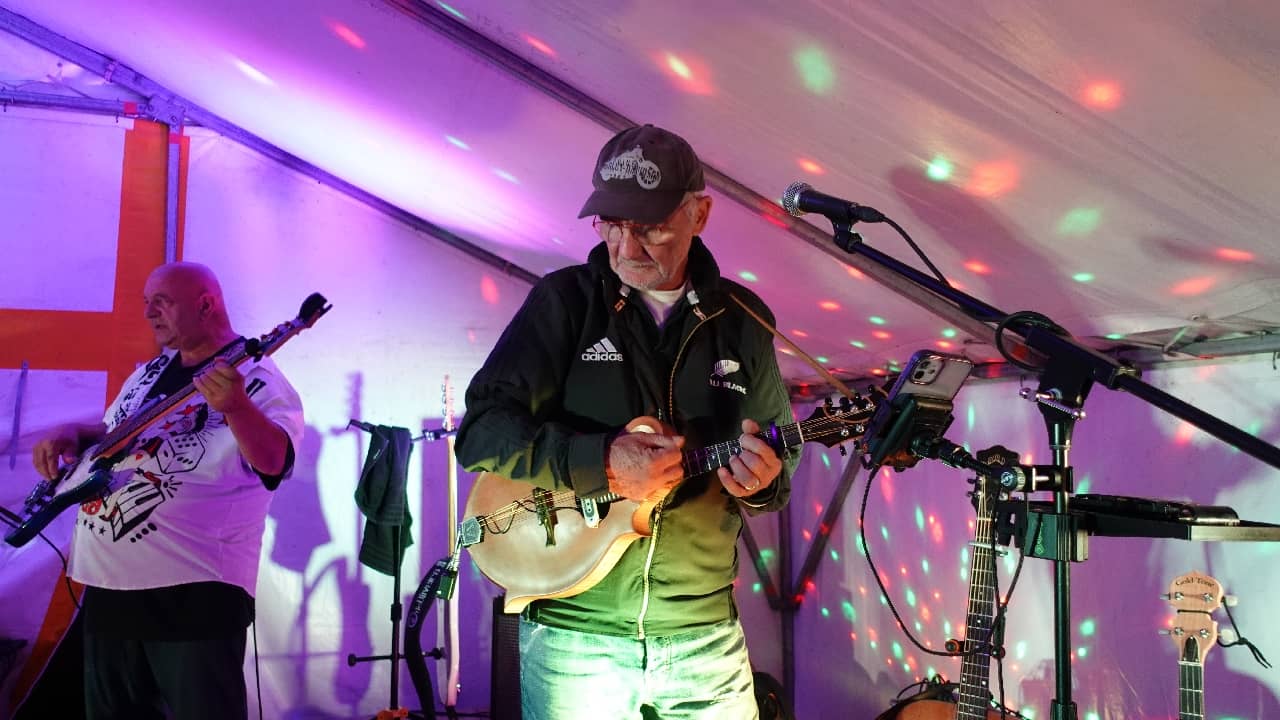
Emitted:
<point x="918" y="403"/>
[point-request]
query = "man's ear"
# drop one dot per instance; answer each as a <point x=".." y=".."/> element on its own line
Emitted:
<point x="702" y="213"/>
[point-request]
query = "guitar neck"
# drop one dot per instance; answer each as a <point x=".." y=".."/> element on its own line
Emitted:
<point x="975" y="668"/>
<point x="715" y="456"/>
<point x="126" y="431"/>
<point x="1191" y="687"/>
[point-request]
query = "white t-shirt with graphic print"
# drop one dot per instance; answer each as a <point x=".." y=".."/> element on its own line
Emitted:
<point x="184" y="506"/>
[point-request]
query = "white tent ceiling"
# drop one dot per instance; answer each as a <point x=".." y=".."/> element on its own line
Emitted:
<point x="1112" y="165"/>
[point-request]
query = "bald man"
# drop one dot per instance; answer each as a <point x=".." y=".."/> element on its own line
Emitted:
<point x="169" y="554"/>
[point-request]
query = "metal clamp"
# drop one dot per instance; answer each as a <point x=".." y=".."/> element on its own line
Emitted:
<point x="1052" y="399"/>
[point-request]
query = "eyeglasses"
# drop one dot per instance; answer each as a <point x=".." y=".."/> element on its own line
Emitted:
<point x="647" y="234"/>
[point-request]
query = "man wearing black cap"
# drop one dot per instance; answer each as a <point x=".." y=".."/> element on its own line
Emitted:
<point x="647" y="327"/>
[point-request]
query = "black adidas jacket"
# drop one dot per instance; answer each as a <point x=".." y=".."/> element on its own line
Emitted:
<point x="580" y="360"/>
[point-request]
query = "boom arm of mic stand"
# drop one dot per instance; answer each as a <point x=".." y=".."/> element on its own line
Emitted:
<point x="1098" y="367"/>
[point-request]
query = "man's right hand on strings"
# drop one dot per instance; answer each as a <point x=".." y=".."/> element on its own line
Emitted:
<point x="641" y="463"/>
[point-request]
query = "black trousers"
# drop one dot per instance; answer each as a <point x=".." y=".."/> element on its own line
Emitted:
<point x="138" y="679"/>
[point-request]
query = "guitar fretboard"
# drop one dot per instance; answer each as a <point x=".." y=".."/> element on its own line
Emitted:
<point x="706" y="459"/>
<point x="975" y="668"/>
<point x="1191" y="686"/>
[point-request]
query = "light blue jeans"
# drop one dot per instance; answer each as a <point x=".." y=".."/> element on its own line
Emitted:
<point x="703" y="674"/>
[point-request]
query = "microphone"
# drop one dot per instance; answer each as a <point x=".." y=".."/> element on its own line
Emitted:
<point x="800" y="198"/>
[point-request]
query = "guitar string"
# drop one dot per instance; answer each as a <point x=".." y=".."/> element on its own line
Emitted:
<point x="509" y="515"/>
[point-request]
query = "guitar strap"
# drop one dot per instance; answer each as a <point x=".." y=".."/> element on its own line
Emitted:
<point x="826" y="374"/>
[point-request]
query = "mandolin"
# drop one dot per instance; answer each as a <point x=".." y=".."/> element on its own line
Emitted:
<point x="538" y="543"/>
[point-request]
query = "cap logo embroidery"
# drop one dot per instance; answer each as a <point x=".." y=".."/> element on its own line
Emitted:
<point x="631" y="164"/>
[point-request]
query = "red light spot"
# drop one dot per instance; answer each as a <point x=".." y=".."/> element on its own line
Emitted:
<point x="689" y="74"/>
<point x="807" y="535"/>
<point x="937" y="533"/>
<point x="1185" y="432"/>
<point x="489" y="290"/>
<point x="809" y="586"/>
<point x="881" y="334"/>
<point x="877" y="371"/>
<point x="347" y="35"/>
<point x="977" y="267"/>
<point x="944" y="344"/>
<point x="1234" y="255"/>
<point x="824" y="529"/>
<point x="540" y="46"/>
<point x="810" y="166"/>
<point x="902" y="569"/>
<point x="854" y="272"/>
<point x="829" y="305"/>
<point x="1103" y="95"/>
<point x="993" y="179"/>
<point x="1194" y="286"/>
<point x="799" y="333"/>
<point x="774" y="220"/>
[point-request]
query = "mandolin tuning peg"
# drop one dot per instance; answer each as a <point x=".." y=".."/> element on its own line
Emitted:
<point x="844" y="452"/>
<point x="1230" y="600"/>
<point x="1228" y="636"/>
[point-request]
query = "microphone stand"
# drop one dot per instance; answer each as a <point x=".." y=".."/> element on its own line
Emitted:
<point x="1069" y="372"/>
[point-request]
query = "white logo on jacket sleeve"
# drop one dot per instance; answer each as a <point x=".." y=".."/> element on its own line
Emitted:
<point x="602" y="351"/>
<point x="720" y="370"/>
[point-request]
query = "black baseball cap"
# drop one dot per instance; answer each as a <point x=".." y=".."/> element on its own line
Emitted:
<point x="642" y="173"/>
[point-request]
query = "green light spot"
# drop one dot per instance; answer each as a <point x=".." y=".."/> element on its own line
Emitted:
<point x="876" y="320"/>
<point x="873" y="644"/>
<point x="897" y="651"/>
<point x="861" y="548"/>
<point x="971" y="416"/>
<point x="826" y="461"/>
<point x="822" y="359"/>
<point x="826" y="613"/>
<point x="766" y="554"/>
<point x="906" y="668"/>
<point x="1083" y="277"/>
<point x="858" y="344"/>
<point x="748" y="276"/>
<point x="1088" y="627"/>
<point x="1082" y="652"/>
<point x="814" y="68"/>
<point x="924" y="565"/>
<point x="1091" y="716"/>
<point x="919" y="627"/>
<point x="946" y="628"/>
<point x="949" y="332"/>
<point x="1080" y="221"/>
<point x="755" y="588"/>
<point x="919" y="518"/>
<point x="1020" y="649"/>
<point x="1028" y="713"/>
<point x="911" y="597"/>
<point x="884" y="600"/>
<point x="1254" y="428"/>
<point x="939" y="168"/>
<point x="1083" y="485"/>
<point x="847" y="609"/>
<point x="456" y="142"/>
<point x="1114" y="336"/>
<point x="451" y="10"/>
<point x="930" y="672"/>
<point x="884" y="531"/>
<point x="835" y="556"/>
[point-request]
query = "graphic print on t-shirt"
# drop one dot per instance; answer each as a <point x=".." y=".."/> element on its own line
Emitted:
<point x="151" y="473"/>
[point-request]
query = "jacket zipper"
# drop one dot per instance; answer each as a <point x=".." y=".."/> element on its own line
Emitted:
<point x="657" y="513"/>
